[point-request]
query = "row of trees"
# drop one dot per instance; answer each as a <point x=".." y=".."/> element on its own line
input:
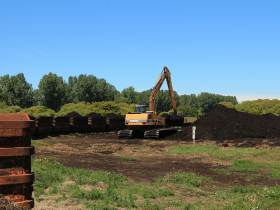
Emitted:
<point x="260" y="106"/>
<point x="54" y="92"/>
<point x="82" y="108"/>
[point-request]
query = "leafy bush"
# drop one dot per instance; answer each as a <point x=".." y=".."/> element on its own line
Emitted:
<point x="102" y="108"/>
<point x="10" y="109"/>
<point x="38" y="111"/>
<point x="162" y="113"/>
<point x="228" y="104"/>
<point x="260" y="106"/>
<point x="189" y="111"/>
<point x="2" y="105"/>
<point x="68" y="108"/>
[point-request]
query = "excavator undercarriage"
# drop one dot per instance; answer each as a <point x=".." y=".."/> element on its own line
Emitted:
<point x="151" y="133"/>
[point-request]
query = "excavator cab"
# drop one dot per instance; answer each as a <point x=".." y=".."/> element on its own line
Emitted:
<point x="141" y="108"/>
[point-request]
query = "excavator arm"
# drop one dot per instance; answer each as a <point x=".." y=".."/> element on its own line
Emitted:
<point x="164" y="75"/>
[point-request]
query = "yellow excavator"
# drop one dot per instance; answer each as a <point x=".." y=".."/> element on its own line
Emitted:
<point x="147" y="122"/>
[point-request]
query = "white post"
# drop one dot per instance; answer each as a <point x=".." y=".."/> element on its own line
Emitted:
<point x="193" y="136"/>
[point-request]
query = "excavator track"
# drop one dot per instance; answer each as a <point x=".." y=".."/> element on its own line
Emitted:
<point x="161" y="132"/>
<point x="125" y="133"/>
<point x="130" y="134"/>
<point x="152" y="133"/>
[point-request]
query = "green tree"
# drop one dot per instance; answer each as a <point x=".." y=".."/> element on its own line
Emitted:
<point x="91" y="89"/>
<point x="206" y="101"/>
<point x="52" y="91"/>
<point x="15" y="91"/>
<point x="184" y="100"/>
<point x="188" y="100"/>
<point x="260" y="106"/>
<point x="189" y="111"/>
<point x="163" y="101"/>
<point x="129" y="95"/>
<point x="250" y="107"/>
<point x="144" y="97"/>
<point x="71" y="90"/>
<point x="193" y="101"/>
<point x="106" y="91"/>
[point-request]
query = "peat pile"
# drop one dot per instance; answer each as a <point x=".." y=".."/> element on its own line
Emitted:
<point x="73" y="114"/>
<point x="113" y="116"/>
<point x="94" y="115"/>
<point x="223" y="123"/>
<point x="6" y="204"/>
<point x="173" y="120"/>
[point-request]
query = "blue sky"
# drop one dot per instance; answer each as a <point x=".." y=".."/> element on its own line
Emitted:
<point x="227" y="47"/>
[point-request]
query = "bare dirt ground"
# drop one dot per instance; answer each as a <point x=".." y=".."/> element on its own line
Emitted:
<point x="103" y="152"/>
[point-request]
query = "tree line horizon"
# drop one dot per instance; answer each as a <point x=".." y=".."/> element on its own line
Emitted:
<point x="53" y="92"/>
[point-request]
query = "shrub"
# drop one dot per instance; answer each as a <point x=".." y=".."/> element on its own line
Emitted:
<point x="38" y="111"/>
<point x="228" y="104"/>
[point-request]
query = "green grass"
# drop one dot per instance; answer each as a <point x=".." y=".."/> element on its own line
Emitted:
<point x="128" y="158"/>
<point x="252" y="197"/>
<point x="210" y="148"/>
<point x="180" y="190"/>
<point x="36" y="144"/>
<point x="142" y="148"/>
<point x="242" y="159"/>
<point x="116" y="192"/>
<point x="191" y="179"/>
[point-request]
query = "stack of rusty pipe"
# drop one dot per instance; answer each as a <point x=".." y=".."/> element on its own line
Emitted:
<point x="97" y="123"/>
<point x="61" y="124"/>
<point x="79" y="124"/>
<point x="44" y="125"/>
<point x="16" y="178"/>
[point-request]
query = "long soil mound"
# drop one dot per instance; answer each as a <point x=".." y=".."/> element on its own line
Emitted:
<point x="94" y="115"/>
<point x="173" y="120"/>
<point x="113" y="116"/>
<point x="73" y="114"/>
<point x="224" y="123"/>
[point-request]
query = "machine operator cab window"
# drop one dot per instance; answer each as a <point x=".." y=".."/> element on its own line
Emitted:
<point x="142" y="108"/>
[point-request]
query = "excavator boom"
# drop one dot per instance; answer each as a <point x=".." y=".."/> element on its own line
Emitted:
<point x="164" y="75"/>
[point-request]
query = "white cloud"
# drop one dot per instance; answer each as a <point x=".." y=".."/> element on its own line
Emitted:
<point x="141" y="90"/>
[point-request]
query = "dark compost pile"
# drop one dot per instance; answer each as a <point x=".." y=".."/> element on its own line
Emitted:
<point x="94" y="115"/>
<point x="113" y="116"/>
<point x="73" y="114"/>
<point x="173" y="120"/>
<point x="224" y="123"/>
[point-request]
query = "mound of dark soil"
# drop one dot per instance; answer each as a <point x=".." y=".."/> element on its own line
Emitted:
<point x="113" y="116"/>
<point x="31" y="117"/>
<point x="6" y="204"/>
<point x="223" y="123"/>
<point x="173" y="120"/>
<point x="73" y="114"/>
<point x="94" y="115"/>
